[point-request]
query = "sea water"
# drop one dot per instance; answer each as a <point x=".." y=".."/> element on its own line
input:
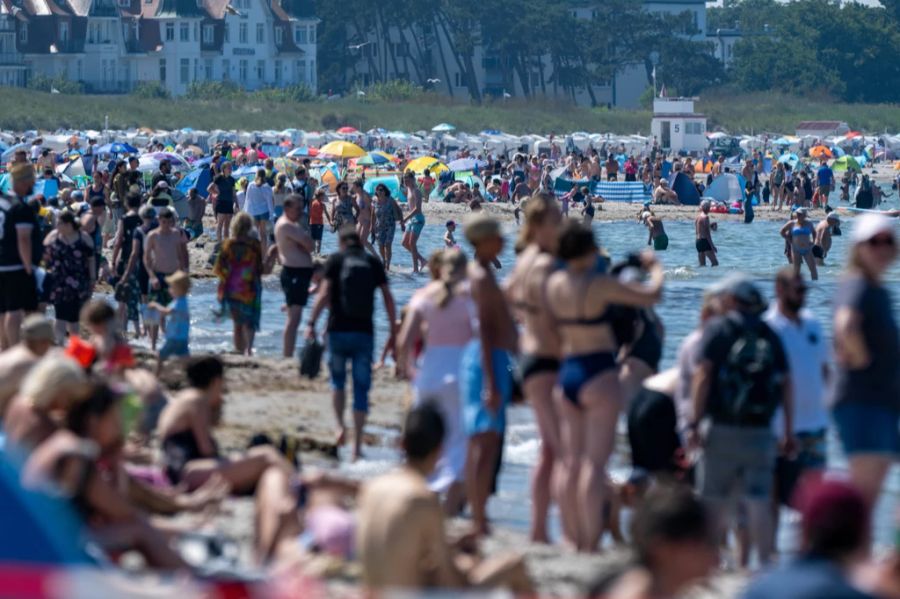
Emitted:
<point x="755" y="249"/>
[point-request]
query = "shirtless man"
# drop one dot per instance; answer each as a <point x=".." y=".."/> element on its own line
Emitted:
<point x="165" y="252"/>
<point x="704" y="244"/>
<point x="415" y="220"/>
<point x="658" y="236"/>
<point x="401" y="540"/>
<point x="293" y="246"/>
<point x="664" y="195"/>
<point x="364" y="215"/>
<point x="37" y="339"/>
<point x="822" y="243"/>
<point x="486" y="384"/>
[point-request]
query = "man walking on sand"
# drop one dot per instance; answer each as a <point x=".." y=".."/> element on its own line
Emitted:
<point x="350" y="278"/>
<point x="166" y="253"/>
<point x="703" y="229"/>
<point x="294" y="246"/>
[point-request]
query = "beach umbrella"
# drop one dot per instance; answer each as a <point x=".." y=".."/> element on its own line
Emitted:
<point x="8" y="153"/>
<point x="820" y="152"/>
<point x="347" y="130"/>
<point x="342" y="149"/>
<point x="443" y="128"/>
<point x="72" y="168"/>
<point x="117" y="148"/>
<point x="176" y="160"/>
<point x="375" y="158"/>
<point x="782" y="141"/>
<point x="846" y="163"/>
<point x="788" y="159"/>
<point x="465" y="164"/>
<point x="418" y="165"/>
<point x="303" y="152"/>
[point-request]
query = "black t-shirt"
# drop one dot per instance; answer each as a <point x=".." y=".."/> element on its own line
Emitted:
<point x="338" y="322"/>
<point x="226" y="188"/>
<point x="879" y="382"/>
<point x="130" y="224"/>
<point x="140" y="235"/>
<point x="718" y="338"/>
<point x="14" y="215"/>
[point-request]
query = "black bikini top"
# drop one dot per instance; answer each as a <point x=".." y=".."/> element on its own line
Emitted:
<point x="604" y="318"/>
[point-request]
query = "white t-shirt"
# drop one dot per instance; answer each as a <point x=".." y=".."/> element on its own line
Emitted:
<point x="807" y="355"/>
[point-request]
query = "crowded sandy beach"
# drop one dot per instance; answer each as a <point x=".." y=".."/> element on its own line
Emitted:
<point x="572" y="370"/>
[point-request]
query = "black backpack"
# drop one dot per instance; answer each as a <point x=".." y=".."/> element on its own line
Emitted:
<point x="357" y="286"/>
<point x="750" y="389"/>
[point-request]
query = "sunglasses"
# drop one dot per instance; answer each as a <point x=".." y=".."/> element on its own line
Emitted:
<point x="882" y="241"/>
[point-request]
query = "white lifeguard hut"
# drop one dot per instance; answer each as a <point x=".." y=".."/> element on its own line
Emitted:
<point x="677" y="127"/>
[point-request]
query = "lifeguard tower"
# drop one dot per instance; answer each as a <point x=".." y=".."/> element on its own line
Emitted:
<point x="677" y="127"/>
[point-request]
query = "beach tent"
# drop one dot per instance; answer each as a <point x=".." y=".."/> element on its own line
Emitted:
<point x="563" y="183"/>
<point x="391" y="182"/>
<point x="685" y="189"/>
<point x="846" y="163"/>
<point x="727" y="188"/>
<point x="199" y="178"/>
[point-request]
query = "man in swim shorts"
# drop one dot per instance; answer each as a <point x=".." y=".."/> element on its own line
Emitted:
<point x="704" y="244"/>
<point x="415" y="220"/>
<point x="293" y="246"/>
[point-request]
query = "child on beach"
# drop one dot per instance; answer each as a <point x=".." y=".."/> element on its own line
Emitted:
<point x="178" y="327"/>
<point x="449" y="239"/>
<point x="103" y="346"/>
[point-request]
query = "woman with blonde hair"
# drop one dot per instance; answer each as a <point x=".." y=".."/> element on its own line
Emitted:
<point x="441" y="315"/>
<point x="259" y="203"/>
<point x="239" y="267"/>
<point x="867" y="351"/>
<point x="52" y="386"/>
<point x="539" y="343"/>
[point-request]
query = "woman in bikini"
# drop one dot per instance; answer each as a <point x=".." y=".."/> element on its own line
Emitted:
<point x="588" y="395"/>
<point x="539" y="344"/>
<point x="799" y="235"/>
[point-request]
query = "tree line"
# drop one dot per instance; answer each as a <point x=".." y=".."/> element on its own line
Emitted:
<point x="803" y="47"/>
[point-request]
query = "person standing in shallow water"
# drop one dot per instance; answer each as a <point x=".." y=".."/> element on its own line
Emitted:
<point x="415" y="221"/>
<point x="293" y="247"/>
<point x="706" y="249"/>
<point x="485" y="376"/>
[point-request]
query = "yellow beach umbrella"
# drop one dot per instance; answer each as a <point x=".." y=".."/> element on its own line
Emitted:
<point x="342" y="149"/>
<point x="431" y="163"/>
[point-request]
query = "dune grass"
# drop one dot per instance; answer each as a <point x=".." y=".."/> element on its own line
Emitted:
<point x="745" y="113"/>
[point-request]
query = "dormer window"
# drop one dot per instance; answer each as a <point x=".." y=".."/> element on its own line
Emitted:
<point x="279" y="36"/>
<point x="124" y="3"/>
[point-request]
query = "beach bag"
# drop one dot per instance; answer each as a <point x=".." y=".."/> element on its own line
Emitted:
<point x="749" y="389"/>
<point x="311" y="358"/>
<point x="357" y="286"/>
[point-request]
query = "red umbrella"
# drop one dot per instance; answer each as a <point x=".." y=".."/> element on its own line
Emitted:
<point x="347" y="129"/>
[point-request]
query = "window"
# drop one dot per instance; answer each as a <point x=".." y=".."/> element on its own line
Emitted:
<point x="277" y="71"/>
<point x="197" y="31"/>
<point x="401" y="49"/>
<point x="63" y="32"/>
<point x="312" y="34"/>
<point x="198" y="76"/>
<point x="227" y="36"/>
<point x="242" y="34"/>
<point x="185" y="70"/>
<point x="260" y="33"/>
<point x="457" y="79"/>
<point x="312" y="72"/>
<point x="185" y="32"/>
<point x="162" y="70"/>
<point x="299" y="34"/>
<point x="208" y="34"/>
<point x="226" y="69"/>
<point x="279" y="36"/>
<point x="136" y="30"/>
<point x="261" y="70"/>
<point x="208" y="69"/>
<point x="23" y="33"/>
<point x="242" y="71"/>
<point x="301" y="71"/>
<point x="79" y="68"/>
<point x="170" y="32"/>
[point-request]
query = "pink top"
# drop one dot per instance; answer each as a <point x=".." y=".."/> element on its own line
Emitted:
<point x="452" y="325"/>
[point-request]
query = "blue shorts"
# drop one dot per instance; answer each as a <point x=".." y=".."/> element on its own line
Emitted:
<point x="477" y="418"/>
<point x="357" y="348"/>
<point x="417" y="224"/>
<point x="261" y="218"/>
<point x="177" y="348"/>
<point x="867" y="428"/>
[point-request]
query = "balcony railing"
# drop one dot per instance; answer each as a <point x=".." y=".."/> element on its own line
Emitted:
<point x="11" y="58"/>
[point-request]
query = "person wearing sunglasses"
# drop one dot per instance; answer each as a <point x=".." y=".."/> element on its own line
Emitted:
<point x="867" y="350"/>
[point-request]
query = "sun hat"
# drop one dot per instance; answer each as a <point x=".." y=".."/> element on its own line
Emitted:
<point x="871" y="225"/>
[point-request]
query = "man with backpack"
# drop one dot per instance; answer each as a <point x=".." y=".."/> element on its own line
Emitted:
<point x="741" y="380"/>
<point x="350" y="278"/>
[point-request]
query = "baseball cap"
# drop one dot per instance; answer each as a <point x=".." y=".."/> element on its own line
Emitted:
<point x="871" y="225"/>
<point x="37" y="328"/>
<point x="833" y="511"/>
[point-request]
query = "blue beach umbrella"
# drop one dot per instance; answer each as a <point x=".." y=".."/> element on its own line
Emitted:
<point x="117" y="148"/>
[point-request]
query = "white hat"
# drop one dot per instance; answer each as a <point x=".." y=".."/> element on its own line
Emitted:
<point x="871" y="225"/>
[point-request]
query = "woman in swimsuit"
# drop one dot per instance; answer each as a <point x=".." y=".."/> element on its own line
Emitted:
<point x="588" y="396"/>
<point x="441" y="314"/>
<point x="799" y="235"/>
<point x="539" y="344"/>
